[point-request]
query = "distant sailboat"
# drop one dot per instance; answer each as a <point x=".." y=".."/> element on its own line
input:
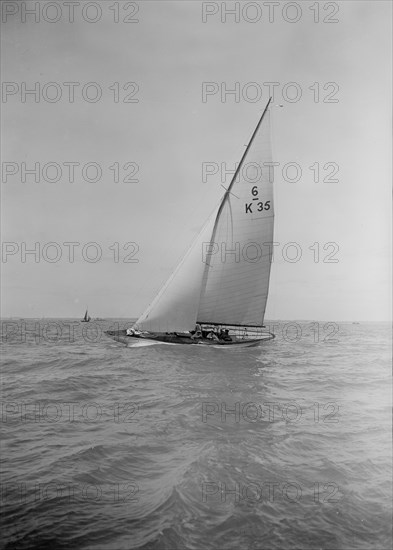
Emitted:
<point x="217" y="295"/>
<point x="86" y="318"/>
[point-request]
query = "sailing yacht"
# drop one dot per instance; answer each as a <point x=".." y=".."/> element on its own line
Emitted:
<point x="86" y="318"/>
<point x="217" y="294"/>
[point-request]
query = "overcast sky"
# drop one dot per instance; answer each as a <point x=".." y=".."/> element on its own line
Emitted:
<point x="169" y="52"/>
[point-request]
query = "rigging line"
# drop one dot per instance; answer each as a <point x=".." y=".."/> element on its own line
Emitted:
<point x="230" y="192"/>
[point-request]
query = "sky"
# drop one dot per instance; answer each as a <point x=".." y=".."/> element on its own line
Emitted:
<point x="144" y="117"/>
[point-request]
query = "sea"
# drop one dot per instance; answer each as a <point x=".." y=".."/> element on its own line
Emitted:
<point x="282" y="446"/>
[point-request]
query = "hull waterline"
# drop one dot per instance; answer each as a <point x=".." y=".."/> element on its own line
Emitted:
<point x="151" y="339"/>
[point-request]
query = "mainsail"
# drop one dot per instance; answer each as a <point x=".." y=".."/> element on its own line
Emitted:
<point x="236" y="280"/>
<point x="228" y="285"/>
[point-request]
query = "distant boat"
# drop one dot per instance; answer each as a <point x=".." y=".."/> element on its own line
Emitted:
<point x="86" y="318"/>
<point x="219" y="298"/>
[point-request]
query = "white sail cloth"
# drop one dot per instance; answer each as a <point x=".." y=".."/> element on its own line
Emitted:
<point x="176" y="305"/>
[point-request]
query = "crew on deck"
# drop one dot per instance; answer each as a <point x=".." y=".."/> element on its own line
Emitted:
<point x="210" y="334"/>
<point x="197" y="332"/>
<point x="224" y="335"/>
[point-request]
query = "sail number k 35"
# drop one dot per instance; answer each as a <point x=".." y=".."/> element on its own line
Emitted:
<point x="259" y="206"/>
